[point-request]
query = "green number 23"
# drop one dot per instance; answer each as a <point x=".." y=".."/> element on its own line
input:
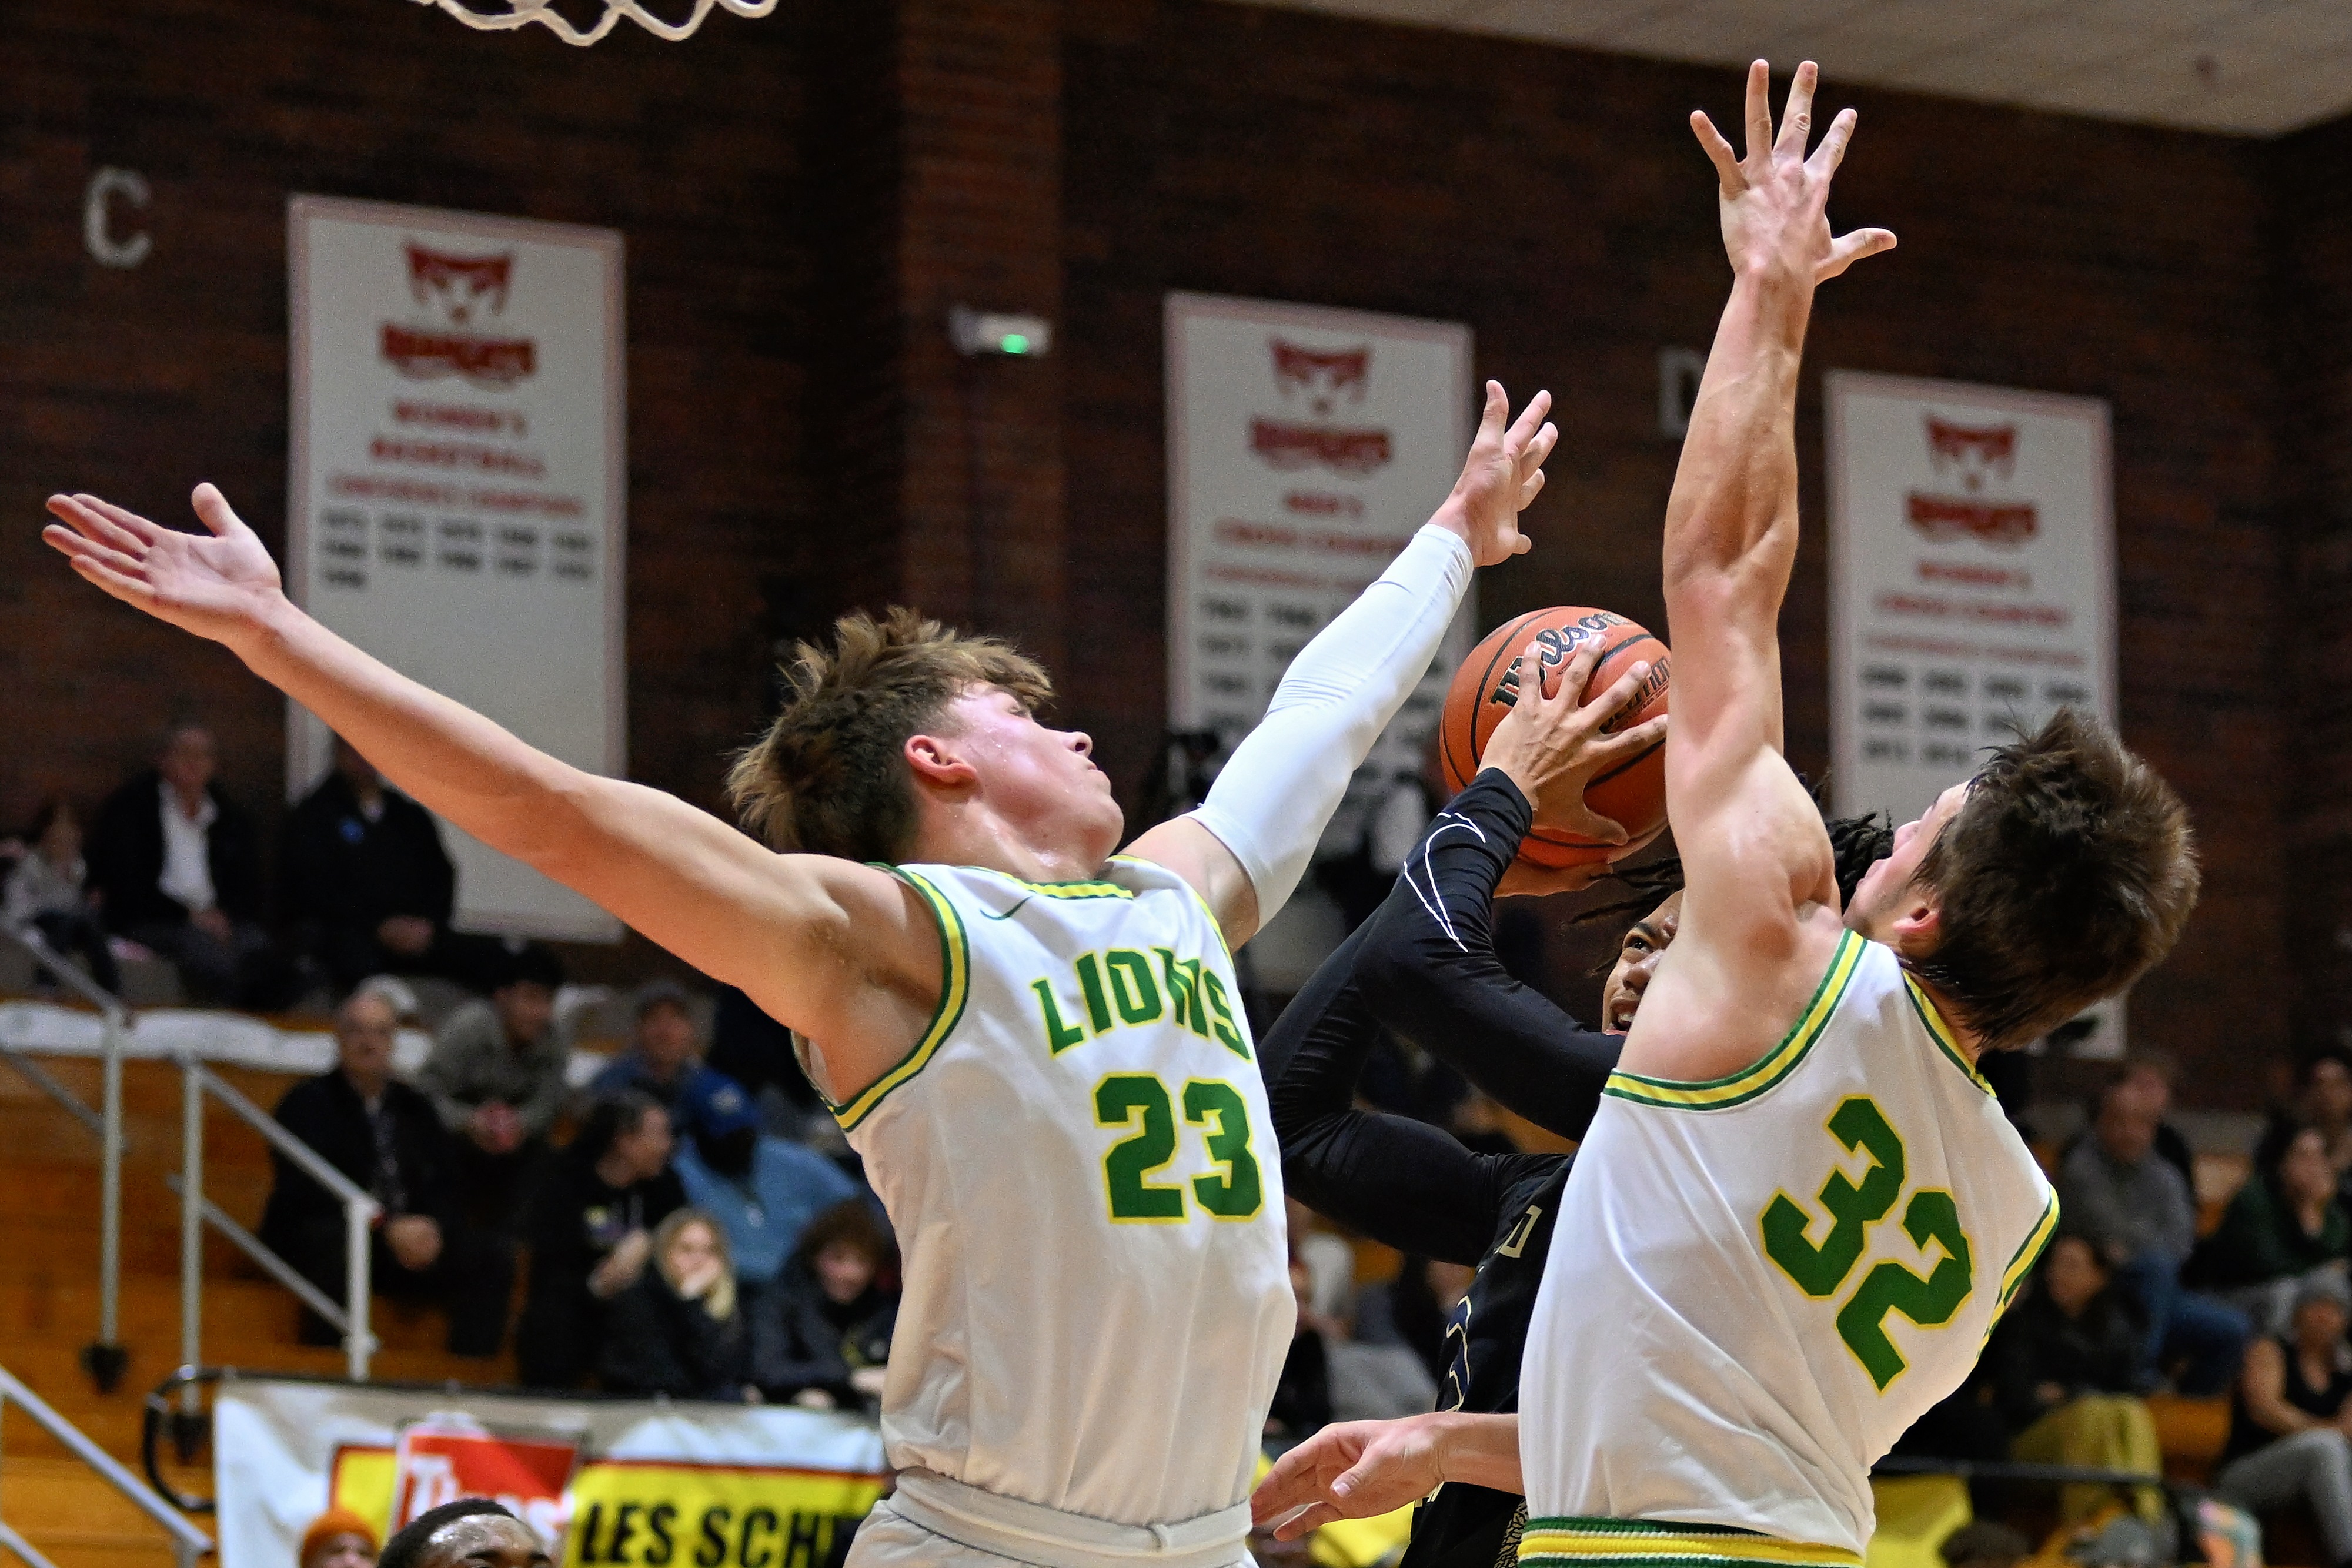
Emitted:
<point x="1124" y="1099"/>
<point x="1818" y="1269"/>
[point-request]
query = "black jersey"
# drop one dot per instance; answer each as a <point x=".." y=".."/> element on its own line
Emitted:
<point x="1426" y="962"/>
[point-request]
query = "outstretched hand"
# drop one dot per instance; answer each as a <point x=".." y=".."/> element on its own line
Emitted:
<point x="1350" y="1469"/>
<point x="1501" y="477"/>
<point x="216" y="584"/>
<point x="1775" y="201"/>
<point x="1553" y="745"/>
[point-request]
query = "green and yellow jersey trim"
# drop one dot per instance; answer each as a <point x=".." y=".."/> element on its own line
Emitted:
<point x="2021" y="1261"/>
<point x="1214" y="923"/>
<point x="955" y="989"/>
<point x="1092" y="888"/>
<point x="1718" y="1094"/>
<point x="1643" y="1543"/>
<point x="1941" y="1032"/>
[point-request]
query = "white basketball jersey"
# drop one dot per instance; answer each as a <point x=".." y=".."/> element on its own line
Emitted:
<point x="1758" y="1282"/>
<point x="1079" y="1162"/>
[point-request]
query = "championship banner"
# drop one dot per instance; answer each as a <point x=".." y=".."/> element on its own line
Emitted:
<point x="1305" y="446"/>
<point x="457" y="486"/>
<point x="1973" y="583"/>
<point x="603" y="1482"/>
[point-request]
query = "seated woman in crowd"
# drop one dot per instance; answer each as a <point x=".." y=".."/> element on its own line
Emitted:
<point x="678" y="1330"/>
<point x="589" y="1230"/>
<point x="2285" y="1222"/>
<point x="47" y="894"/>
<point x="2065" y="1367"/>
<point x="2289" y="1420"/>
<point x="824" y="1333"/>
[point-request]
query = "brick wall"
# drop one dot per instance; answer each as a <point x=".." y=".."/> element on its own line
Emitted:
<point x="2313" y="279"/>
<point x="138" y="384"/>
<point x="804" y="197"/>
<point x="1555" y="201"/>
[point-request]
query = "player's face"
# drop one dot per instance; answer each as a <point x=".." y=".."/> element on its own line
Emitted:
<point x="1041" y="781"/>
<point x="1886" y="893"/>
<point x="1647" y="941"/>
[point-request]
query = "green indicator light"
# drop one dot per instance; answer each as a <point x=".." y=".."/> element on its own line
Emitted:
<point x="1016" y="343"/>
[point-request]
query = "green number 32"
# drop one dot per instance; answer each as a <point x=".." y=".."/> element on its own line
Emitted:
<point x="1820" y="1269"/>
<point x="1124" y="1099"/>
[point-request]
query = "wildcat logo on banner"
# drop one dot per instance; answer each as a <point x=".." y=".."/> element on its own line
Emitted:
<point x="453" y="288"/>
<point x="1980" y="458"/>
<point x="435" y="1462"/>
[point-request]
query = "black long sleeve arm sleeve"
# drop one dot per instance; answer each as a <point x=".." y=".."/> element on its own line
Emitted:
<point x="1401" y="1182"/>
<point x="1427" y="968"/>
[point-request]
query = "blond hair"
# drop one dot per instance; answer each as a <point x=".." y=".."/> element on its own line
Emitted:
<point x="720" y="1300"/>
<point x="829" y="776"/>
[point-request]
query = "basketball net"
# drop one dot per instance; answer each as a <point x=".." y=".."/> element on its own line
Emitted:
<point x="521" y="12"/>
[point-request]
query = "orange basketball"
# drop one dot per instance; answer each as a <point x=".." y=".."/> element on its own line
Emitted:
<point x="1631" y="793"/>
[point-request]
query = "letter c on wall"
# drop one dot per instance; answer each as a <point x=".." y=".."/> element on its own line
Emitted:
<point x="97" y="217"/>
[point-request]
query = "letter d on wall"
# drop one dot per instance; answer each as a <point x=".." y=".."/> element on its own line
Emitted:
<point x="97" y="217"/>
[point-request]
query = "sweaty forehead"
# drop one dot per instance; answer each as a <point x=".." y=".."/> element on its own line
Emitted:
<point x="484" y="1540"/>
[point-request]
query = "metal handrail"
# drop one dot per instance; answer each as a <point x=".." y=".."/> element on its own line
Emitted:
<point x="104" y="1357"/>
<point x="360" y="1214"/>
<point x="188" y="1542"/>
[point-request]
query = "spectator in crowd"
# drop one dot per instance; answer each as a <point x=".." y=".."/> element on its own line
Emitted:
<point x="2150" y="1072"/>
<point x="664" y="1058"/>
<point x="2285" y="1223"/>
<point x="590" y="1234"/>
<point x="1984" y="1543"/>
<point x="47" y="894"/>
<point x="2135" y="1208"/>
<point x="679" y="1330"/>
<point x="763" y="1190"/>
<point x="2289" y="1423"/>
<point x="2322" y="1099"/>
<point x="369" y="888"/>
<point x="495" y="1076"/>
<point x="823" y="1339"/>
<point x="177" y="866"/>
<point x="337" y="1539"/>
<point x="2065" y="1370"/>
<point x="382" y="1135"/>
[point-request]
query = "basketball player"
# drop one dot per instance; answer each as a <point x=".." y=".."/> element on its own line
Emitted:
<point x="1038" y="1049"/>
<point x="1799" y="1209"/>
<point x="1424" y="966"/>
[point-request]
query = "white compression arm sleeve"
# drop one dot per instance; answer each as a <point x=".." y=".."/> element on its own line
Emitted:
<point x="1270" y="803"/>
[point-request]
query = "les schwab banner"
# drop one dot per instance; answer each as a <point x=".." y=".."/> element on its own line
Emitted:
<point x="634" y="1482"/>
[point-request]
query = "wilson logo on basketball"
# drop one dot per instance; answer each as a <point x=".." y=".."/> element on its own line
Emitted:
<point x="1979" y="459"/>
<point x="1321" y="378"/>
<point x="455" y="289"/>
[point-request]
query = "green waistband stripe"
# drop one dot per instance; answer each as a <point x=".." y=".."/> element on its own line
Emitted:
<point x="955" y="989"/>
<point x="1645" y="1543"/>
<point x="1716" y="1093"/>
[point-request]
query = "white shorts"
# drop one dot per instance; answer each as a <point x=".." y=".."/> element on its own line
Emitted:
<point x="974" y="1534"/>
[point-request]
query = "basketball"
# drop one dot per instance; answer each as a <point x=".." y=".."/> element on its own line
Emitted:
<point x="1633" y="793"/>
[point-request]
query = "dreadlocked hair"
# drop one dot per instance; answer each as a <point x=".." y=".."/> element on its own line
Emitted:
<point x="2069" y="871"/>
<point x="829" y="776"/>
<point x="1856" y="844"/>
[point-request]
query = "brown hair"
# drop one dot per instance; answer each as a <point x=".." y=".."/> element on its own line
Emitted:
<point x="2068" y="871"/>
<point x="828" y="776"/>
<point x="849" y="1223"/>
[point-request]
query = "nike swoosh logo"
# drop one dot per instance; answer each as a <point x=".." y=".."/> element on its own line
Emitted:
<point x="1008" y="914"/>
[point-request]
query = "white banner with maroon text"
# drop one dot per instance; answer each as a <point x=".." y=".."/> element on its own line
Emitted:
<point x="456" y="485"/>
<point x="1305" y="446"/>
<point x="1972" y="584"/>
<point x="624" y="1481"/>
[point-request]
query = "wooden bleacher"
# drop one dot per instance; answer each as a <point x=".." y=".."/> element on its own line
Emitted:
<point x="49" y="1298"/>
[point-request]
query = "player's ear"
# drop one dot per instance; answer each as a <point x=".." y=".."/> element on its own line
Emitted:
<point x="939" y="760"/>
<point x="1918" y="924"/>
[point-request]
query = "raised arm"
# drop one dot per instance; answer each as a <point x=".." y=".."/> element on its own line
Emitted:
<point x="1247" y="845"/>
<point x="1762" y="904"/>
<point x="1404" y="1183"/>
<point x="843" y="953"/>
